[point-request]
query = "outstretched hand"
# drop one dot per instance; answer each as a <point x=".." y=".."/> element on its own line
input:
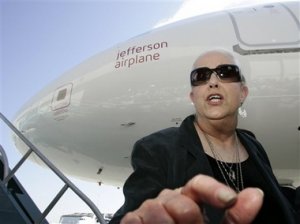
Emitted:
<point x="181" y="205"/>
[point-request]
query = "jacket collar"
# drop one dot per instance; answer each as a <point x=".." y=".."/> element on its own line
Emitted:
<point x="189" y="141"/>
<point x="189" y="137"/>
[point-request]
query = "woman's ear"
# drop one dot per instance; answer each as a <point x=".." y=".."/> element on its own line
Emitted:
<point x="245" y="92"/>
<point x="192" y="96"/>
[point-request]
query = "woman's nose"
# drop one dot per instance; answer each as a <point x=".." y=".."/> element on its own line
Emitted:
<point x="213" y="81"/>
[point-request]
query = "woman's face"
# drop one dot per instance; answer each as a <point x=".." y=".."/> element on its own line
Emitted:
<point x="215" y="100"/>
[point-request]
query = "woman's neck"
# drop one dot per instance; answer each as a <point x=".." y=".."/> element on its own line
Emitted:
<point x="222" y="130"/>
<point x="223" y="139"/>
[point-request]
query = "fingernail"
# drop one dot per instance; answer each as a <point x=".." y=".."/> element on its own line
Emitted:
<point x="226" y="196"/>
<point x="260" y="191"/>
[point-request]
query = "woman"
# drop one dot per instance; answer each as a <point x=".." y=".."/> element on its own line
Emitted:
<point x="207" y="143"/>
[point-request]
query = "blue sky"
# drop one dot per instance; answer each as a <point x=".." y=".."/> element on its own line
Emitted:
<point x="40" y="40"/>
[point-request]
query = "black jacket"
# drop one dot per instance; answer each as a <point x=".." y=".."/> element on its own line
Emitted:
<point x="170" y="157"/>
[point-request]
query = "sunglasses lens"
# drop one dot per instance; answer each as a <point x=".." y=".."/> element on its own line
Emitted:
<point x="200" y="76"/>
<point x="229" y="73"/>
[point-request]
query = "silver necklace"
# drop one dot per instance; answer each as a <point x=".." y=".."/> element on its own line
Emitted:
<point x="228" y="168"/>
<point x="236" y="179"/>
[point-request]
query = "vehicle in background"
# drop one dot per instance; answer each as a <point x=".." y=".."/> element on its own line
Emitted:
<point x="78" y="218"/>
<point x="83" y="218"/>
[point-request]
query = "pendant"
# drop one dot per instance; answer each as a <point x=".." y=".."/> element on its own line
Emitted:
<point x="232" y="175"/>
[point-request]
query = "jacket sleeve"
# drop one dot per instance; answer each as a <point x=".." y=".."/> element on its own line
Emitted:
<point x="146" y="181"/>
<point x="291" y="195"/>
<point x="297" y="204"/>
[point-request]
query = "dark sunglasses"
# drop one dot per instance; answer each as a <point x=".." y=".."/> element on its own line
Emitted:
<point x="225" y="73"/>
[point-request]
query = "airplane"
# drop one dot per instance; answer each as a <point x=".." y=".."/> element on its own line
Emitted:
<point x="87" y="120"/>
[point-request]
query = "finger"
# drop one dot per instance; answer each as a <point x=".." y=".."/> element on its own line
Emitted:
<point x="153" y="211"/>
<point x="247" y="206"/>
<point x="180" y="207"/>
<point x="206" y="189"/>
<point x="169" y="207"/>
<point x="131" y="218"/>
<point x="184" y="210"/>
<point x="168" y="194"/>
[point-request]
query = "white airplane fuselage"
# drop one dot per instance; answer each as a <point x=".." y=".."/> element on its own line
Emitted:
<point x="87" y="121"/>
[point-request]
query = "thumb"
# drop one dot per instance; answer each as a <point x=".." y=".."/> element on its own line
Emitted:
<point x="247" y="206"/>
